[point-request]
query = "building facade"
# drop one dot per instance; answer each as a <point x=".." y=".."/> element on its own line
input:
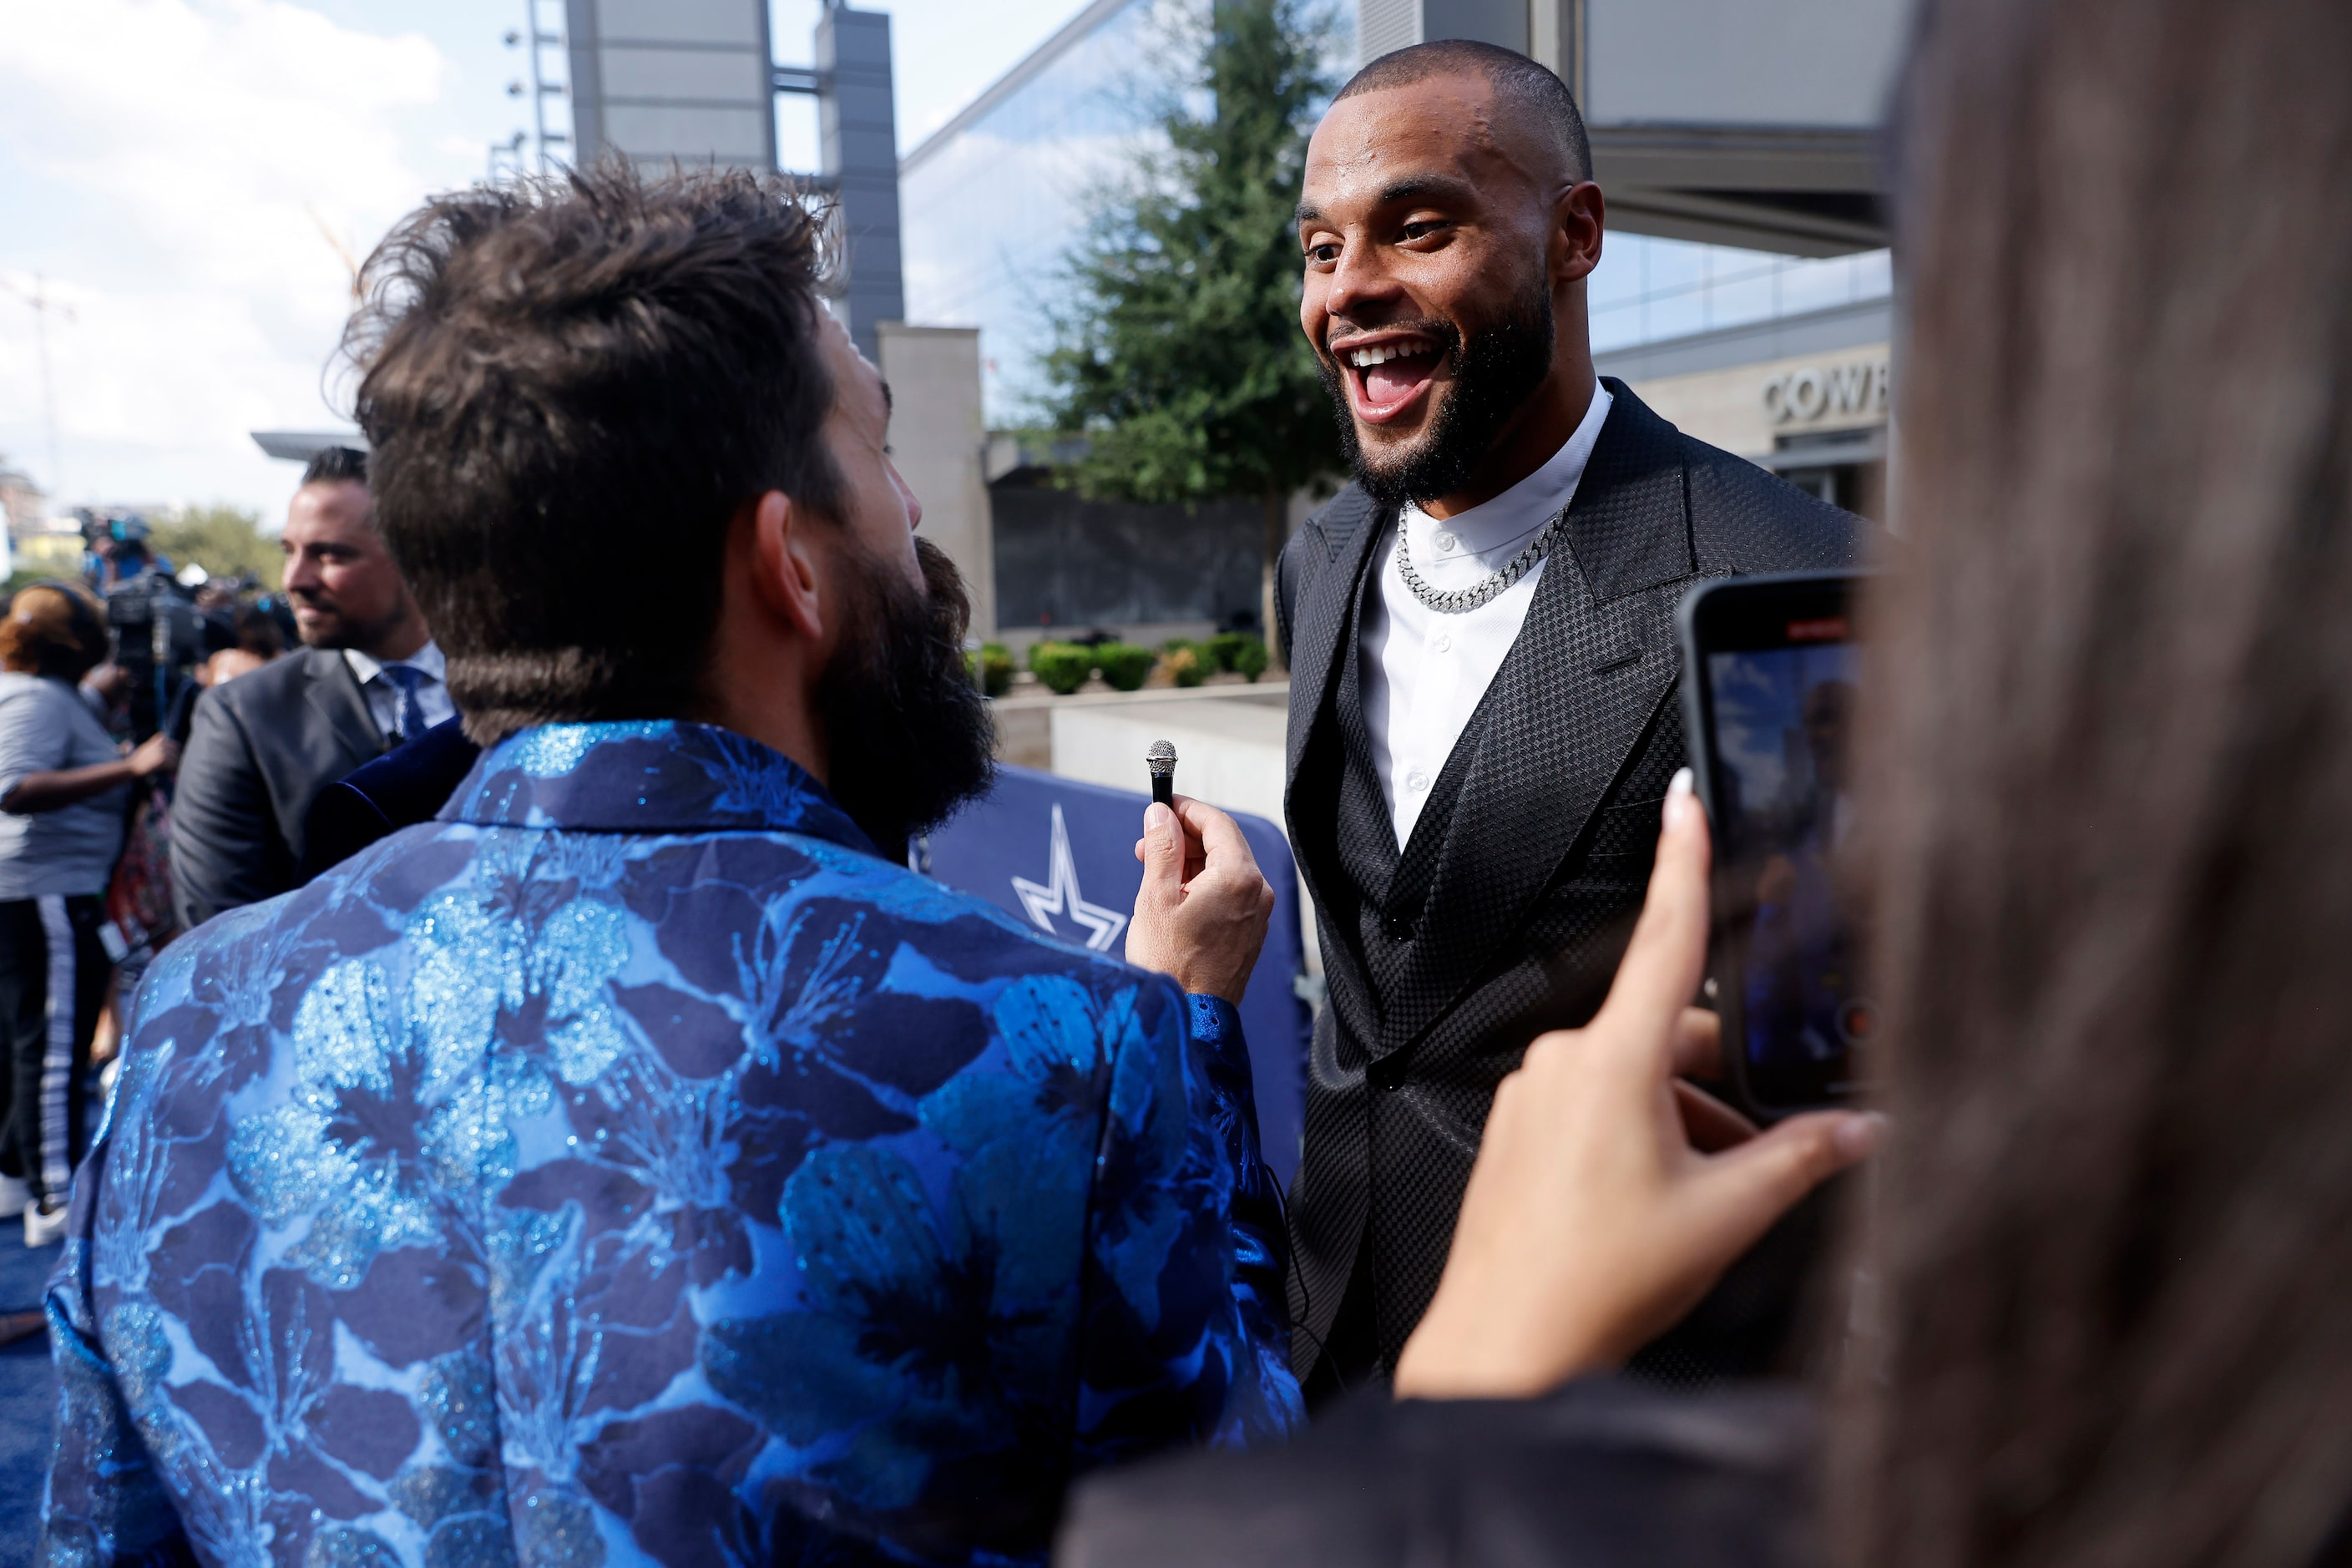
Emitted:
<point x="1780" y="354"/>
<point x="993" y="203"/>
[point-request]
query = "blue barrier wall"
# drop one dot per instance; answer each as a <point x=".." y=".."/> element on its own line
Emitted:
<point x="1061" y="855"/>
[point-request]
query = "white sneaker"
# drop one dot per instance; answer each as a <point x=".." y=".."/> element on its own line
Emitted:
<point x="15" y="1196"/>
<point x="45" y="1227"/>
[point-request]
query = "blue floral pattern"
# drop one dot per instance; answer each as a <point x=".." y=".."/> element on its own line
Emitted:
<point x="634" y="1166"/>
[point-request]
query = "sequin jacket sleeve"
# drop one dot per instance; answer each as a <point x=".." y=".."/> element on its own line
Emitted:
<point x="106" y="1506"/>
<point x="1183" y="1321"/>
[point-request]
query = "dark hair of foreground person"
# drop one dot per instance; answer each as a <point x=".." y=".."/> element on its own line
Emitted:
<point x="549" y="379"/>
<point x="2112" y="744"/>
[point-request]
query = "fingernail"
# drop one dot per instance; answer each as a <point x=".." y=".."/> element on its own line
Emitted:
<point x="1861" y="1134"/>
<point x="1156" y="817"/>
<point x="1678" y="797"/>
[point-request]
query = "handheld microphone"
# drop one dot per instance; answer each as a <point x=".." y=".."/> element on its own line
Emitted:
<point x="1160" y="758"/>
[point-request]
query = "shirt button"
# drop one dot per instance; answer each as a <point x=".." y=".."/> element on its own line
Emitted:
<point x="1397" y="929"/>
<point x="1446" y="542"/>
<point x="1416" y="780"/>
<point x="1445" y="643"/>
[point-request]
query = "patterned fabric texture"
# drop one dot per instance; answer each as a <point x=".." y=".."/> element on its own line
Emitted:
<point x="1506" y="912"/>
<point x="634" y="1166"/>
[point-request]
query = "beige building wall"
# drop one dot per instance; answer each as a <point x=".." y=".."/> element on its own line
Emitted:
<point x="1748" y="408"/>
<point x="937" y="438"/>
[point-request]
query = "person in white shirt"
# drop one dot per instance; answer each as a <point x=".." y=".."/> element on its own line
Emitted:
<point x="64" y="788"/>
<point x="1479" y="629"/>
<point x="263" y="746"/>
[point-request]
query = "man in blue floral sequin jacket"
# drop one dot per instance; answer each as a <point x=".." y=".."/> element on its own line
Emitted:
<point x="637" y="1163"/>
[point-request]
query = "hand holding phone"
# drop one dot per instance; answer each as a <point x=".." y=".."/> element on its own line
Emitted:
<point x="1770" y="684"/>
<point x="1596" y="1215"/>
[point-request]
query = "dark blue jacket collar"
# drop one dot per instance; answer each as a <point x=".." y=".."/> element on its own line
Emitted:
<point x="651" y="776"/>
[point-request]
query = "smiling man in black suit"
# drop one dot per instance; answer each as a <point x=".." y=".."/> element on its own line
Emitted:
<point x="1482" y="717"/>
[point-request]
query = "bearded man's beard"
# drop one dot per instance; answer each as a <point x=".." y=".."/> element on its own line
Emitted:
<point x="908" y="736"/>
<point x="1494" y="374"/>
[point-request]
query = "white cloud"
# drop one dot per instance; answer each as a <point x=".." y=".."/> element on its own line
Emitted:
<point x="172" y="165"/>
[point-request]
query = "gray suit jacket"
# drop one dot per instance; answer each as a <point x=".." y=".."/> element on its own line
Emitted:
<point x="259" y="751"/>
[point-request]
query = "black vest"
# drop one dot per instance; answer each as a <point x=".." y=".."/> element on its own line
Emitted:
<point x="1385" y="886"/>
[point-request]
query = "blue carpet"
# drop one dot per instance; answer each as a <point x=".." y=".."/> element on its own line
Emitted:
<point x="25" y="1399"/>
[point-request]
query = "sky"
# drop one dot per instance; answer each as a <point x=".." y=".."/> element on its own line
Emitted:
<point x="186" y="183"/>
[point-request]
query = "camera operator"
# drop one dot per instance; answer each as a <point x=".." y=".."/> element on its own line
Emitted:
<point x="158" y="631"/>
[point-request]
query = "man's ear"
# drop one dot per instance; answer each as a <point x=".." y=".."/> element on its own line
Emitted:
<point x="1579" y="219"/>
<point x="788" y="564"/>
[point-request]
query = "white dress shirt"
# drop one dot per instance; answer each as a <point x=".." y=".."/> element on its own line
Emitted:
<point x="383" y="698"/>
<point x="1423" y="671"/>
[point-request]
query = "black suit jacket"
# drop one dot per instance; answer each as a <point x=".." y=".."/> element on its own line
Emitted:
<point x="1603" y="1471"/>
<point x="408" y="784"/>
<point x="1546" y="851"/>
<point x="259" y="751"/>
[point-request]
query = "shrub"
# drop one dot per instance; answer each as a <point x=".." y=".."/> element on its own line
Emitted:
<point x="992" y="669"/>
<point x="1183" y="662"/>
<point x="1226" y="646"/>
<point x="1061" y="667"/>
<point x="1251" y="659"/>
<point x="1124" y="665"/>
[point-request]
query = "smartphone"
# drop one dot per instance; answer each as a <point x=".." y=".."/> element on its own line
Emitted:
<point x="1770" y="678"/>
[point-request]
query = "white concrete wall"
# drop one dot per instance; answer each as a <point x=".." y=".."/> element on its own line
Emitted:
<point x="1229" y="752"/>
<point x="937" y="435"/>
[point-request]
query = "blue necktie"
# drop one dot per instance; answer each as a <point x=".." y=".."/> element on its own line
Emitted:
<point x="405" y="680"/>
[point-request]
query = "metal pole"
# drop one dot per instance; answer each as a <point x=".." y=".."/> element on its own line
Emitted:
<point x="537" y="87"/>
<point x="38" y="299"/>
<point x="48" y="386"/>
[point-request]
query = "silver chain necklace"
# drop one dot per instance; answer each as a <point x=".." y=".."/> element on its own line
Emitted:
<point x="1463" y="600"/>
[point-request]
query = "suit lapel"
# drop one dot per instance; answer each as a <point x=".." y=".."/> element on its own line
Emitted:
<point x="334" y="692"/>
<point x="1591" y="669"/>
<point x="1349" y="528"/>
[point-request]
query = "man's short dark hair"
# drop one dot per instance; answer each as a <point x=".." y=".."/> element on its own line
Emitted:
<point x="336" y="465"/>
<point x="571" y="387"/>
<point x="1524" y="85"/>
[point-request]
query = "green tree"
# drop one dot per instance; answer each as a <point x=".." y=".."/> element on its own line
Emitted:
<point x="223" y="540"/>
<point x="1180" y="358"/>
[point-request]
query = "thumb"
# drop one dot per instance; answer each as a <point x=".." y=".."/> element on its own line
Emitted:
<point x="1163" y="855"/>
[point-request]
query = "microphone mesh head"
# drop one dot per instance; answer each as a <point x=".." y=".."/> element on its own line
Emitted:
<point x="1160" y="757"/>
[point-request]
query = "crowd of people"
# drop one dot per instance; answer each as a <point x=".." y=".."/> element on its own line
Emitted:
<point x="558" y="1128"/>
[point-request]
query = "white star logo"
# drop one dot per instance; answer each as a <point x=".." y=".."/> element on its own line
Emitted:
<point x="1061" y="892"/>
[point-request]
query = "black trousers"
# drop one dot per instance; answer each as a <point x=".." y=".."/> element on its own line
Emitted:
<point x="53" y="975"/>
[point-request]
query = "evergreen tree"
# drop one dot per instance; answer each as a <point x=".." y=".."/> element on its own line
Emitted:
<point x="1180" y="358"/>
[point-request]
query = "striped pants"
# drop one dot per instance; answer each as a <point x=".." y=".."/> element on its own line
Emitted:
<point x="53" y="974"/>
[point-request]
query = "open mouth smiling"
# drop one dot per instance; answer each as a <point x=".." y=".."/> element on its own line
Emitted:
<point x="1388" y="372"/>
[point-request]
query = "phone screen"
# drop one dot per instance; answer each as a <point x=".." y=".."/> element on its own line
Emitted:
<point x="1782" y="706"/>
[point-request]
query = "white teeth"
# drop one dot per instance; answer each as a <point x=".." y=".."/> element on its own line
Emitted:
<point x="1381" y="353"/>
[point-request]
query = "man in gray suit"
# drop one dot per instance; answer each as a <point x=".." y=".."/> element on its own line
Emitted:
<point x="263" y="746"/>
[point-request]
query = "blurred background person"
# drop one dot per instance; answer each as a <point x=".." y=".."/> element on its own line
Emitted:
<point x="2105" y="742"/>
<point x="261" y="747"/>
<point x="116" y="552"/>
<point x="64" y="784"/>
<point x="259" y="641"/>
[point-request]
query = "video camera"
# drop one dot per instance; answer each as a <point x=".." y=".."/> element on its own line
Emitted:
<point x="159" y="633"/>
